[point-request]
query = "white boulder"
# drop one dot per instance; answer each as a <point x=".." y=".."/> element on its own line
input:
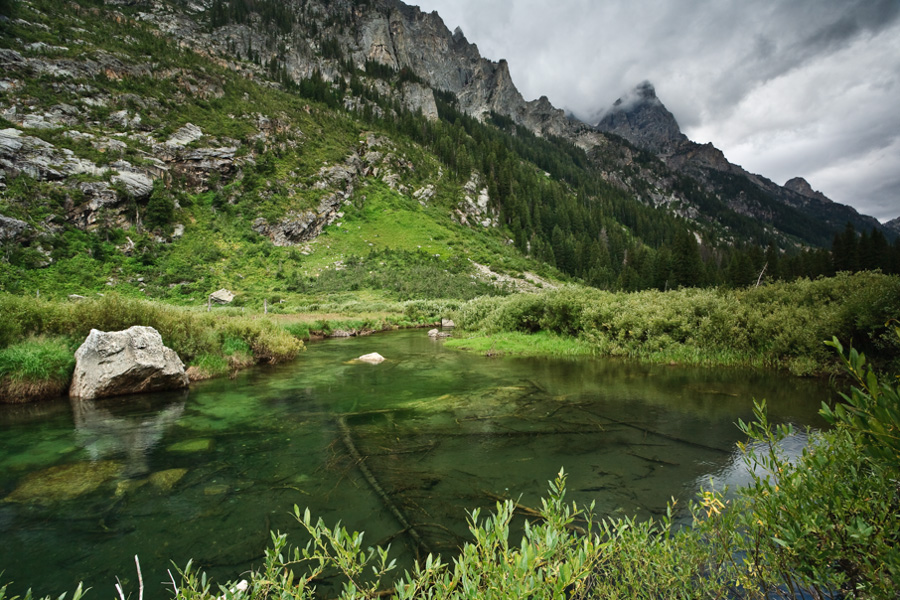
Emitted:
<point x="373" y="358"/>
<point x="125" y="362"/>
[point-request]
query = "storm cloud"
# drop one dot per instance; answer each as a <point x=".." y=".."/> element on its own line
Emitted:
<point x="784" y="87"/>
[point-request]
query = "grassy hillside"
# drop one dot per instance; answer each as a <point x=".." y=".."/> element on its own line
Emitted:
<point x="194" y="232"/>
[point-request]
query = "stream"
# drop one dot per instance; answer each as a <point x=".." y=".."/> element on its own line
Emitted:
<point x="207" y="474"/>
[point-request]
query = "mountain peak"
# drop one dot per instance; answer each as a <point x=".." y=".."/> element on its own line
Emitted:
<point x="645" y="90"/>
<point x="802" y="187"/>
<point x="641" y="118"/>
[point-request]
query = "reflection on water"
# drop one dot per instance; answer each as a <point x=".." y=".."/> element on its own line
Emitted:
<point x="207" y="476"/>
<point x="132" y="435"/>
<point x="735" y="473"/>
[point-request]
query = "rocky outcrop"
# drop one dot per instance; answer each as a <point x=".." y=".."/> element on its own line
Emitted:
<point x="893" y="226"/>
<point x="125" y="362"/>
<point x="32" y="156"/>
<point x="222" y="296"/>
<point x="418" y="97"/>
<point x="475" y="209"/>
<point x="12" y="229"/>
<point x="800" y="186"/>
<point x="184" y="136"/>
<point x="374" y="157"/>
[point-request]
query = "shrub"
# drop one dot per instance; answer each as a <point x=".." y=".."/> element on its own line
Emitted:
<point x="778" y="325"/>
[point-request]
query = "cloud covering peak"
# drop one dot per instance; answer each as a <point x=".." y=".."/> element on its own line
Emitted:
<point x="784" y="87"/>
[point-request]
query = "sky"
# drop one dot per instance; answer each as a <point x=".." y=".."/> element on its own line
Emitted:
<point x="784" y="88"/>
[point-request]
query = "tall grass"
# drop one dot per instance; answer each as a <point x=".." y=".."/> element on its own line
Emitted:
<point x="37" y="368"/>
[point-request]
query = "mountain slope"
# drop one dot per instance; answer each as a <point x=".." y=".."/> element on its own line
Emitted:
<point x="314" y="147"/>
<point x="397" y="36"/>
<point x="179" y="176"/>
<point x="794" y="208"/>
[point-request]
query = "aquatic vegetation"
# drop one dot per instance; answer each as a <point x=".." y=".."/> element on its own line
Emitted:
<point x="824" y="526"/>
<point x="64" y="482"/>
<point x="817" y="523"/>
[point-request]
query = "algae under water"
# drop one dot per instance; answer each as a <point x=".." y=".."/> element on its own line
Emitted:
<point x="207" y="474"/>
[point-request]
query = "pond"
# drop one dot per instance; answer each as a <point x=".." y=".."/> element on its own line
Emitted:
<point x="207" y="474"/>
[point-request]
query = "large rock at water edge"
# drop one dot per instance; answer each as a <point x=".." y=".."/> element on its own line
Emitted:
<point x="125" y="362"/>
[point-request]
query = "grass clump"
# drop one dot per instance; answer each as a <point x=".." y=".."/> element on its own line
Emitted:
<point x="516" y="343"/>
<point x="37" y="368"/>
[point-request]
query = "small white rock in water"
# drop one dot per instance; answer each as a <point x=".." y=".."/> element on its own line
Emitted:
<point x="433" y="333"/>
<point x="373" y="358"/>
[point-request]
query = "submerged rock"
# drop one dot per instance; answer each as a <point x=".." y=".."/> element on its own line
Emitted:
<point x="125" y="362"/>
<point x="191" y="446"/>
<point x="166" y="480"/>
<point x="64" y="482"/>
<point x="126" y="486"/>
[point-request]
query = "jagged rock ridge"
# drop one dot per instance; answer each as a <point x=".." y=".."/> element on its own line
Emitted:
<point x="641" y="118"/>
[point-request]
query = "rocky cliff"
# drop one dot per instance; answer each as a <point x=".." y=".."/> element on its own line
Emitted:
<point x="893" y="226"/>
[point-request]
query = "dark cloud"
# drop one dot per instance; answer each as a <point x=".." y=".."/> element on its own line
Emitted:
<point x="783" y="87"/>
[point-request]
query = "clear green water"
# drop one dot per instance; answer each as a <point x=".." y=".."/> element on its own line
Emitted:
<point x="207" y="474"/>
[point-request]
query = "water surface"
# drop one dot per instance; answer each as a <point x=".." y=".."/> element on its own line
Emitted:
<point x="206" y="475"/>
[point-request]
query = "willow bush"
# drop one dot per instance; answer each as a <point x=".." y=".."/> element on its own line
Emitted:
<point x="781" y="324"/>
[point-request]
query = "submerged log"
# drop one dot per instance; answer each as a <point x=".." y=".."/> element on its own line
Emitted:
<point x="657" y="433"/>
<point x="379" y="491"/>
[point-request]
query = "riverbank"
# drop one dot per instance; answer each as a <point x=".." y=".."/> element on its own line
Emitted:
<point x="38" y="337"/>
<point x="779" y="325"/>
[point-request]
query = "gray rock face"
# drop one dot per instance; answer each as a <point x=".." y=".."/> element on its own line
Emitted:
<point x="36" y="158"/>
<point x="184" y="136"/>
<point x="893" y="225"/>
<point x="11" y="229"/>
<point x="473" y="208"/>
<point x="802" y="187"/>
<point x="125" y="362"/>
<point x="418" y="97"/>
<point x="136" y="184"/>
